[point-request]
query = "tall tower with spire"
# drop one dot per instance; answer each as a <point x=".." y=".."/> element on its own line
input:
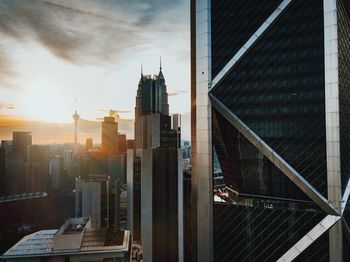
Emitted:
<point x="152" y="97"/>
<point x="76" y="118"/>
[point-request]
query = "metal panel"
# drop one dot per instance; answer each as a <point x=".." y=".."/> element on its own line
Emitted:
<point x="345" y="197"/>
<point x="332" y="123"/>
<point x="146" y="204"/>
<point x="266" y="150"/>
<point x="202" y="162"/>
<point x="309" y="238"/>
<point x="249" y="43"/>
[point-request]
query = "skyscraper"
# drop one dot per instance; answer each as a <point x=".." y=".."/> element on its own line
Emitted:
<point x="109" y="136"/>
<point x="37" y="168"/>
<point x="21" y="141"/>
<point x="152" y="97"/>
<point x="3" y="181"/>
<point x="270" y="94"/>
<point x="154" y="175"/>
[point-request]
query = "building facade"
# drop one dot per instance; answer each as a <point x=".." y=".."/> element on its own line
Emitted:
<point x="154" y="175"/>
<point x="109" y="136"/>
<point x="270" y="94"/>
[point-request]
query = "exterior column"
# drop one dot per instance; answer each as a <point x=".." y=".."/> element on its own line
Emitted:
<point x="332" y="125"/>
<point x="202" y="167"/>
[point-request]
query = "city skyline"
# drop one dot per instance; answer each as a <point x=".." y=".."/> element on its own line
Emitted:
<point x="56" y="52"/>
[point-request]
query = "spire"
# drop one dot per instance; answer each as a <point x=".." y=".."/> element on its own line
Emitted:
<point x="160" y="75"/>
<point x="141" y="69"/>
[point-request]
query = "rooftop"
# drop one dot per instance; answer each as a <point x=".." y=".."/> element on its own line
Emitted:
<point x="40" y="244"/>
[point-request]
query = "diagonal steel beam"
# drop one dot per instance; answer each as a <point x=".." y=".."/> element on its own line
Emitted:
<point x="252" y="40"/>
<point x="345" y="197"/>
<point x="309" y="238"/>
<point x="276" y="159"/>
<point x="346" y="229"/>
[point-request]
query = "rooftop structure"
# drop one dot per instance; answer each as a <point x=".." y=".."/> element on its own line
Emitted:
<point x="74" y="238"/>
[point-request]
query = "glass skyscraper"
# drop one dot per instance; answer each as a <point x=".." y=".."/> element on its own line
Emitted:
<point x="270" y="94"/>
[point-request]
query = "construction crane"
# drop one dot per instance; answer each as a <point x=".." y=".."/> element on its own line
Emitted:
<point x="113" y="113"/>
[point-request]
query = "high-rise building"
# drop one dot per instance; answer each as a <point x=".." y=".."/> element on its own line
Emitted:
<point x="152" y="97"/>
<point x="37" y="168"/>
<point x="67" y="158"/>
<point x="7" y="145"/>
<point x="270" y="93"/>
<point x="98" y="196"/>
<point x="3" y="179"/>
<point x="20" y="143"/>
<point x="121" y="143"/>
<point x="154" y="176"/>
<point x="56" y="172"/>
<point x="15" y="174"/>
<point x="89" y="144"/>
<point x="109" y="136"/>
<point x="76" y="118"/>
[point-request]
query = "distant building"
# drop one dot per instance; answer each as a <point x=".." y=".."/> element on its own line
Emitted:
<point x="109" y="136"/>
<point x="21" y="141"/>
<point x="121" y="143"/>
<point x="15" y="174"/>
<point x="94" y="197"/>
<point x="3" y="182"/>
<point x="76" y="240"/>
<point x="89" y="144"/>
<point x="116" y="167"/>
<point x="56" y="173"/>
<point x="37" y="168"/>
<point x="7" y="145"/>
<point x="130" y="144"/>
<point x="67" y="158"/>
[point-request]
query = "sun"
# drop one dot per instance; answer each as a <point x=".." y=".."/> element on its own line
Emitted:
<point x="45" y="104"/>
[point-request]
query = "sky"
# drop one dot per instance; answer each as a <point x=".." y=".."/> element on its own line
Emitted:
<point x="58" y="55"/>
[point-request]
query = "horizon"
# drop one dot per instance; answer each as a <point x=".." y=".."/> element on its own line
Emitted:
<point x="87" y="58"/>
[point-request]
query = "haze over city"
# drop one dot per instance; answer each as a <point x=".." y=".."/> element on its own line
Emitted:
<point x="54" y="53"/>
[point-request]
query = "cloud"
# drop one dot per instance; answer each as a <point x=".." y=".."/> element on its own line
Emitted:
<point x="179" y="92"/>
<point x="85" y="31"/>
<point x="6" y="106"/>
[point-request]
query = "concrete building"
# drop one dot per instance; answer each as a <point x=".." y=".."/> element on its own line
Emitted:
<point x="154" y="175"/>
<point x="7" y="145"/>
<point x="67" y="158"/>
<point x="20" y="143"/>
<point x="98" y="196"/>
<point x="15" y="174"/>
<point x="89" y="144"/>
<point x="3" y="180"/>
<point x="75" y="241"/>
<point x="37" y="169"/>
<point x="270" y="92"/>
<point x="121" y="143"/>
<point x="109" y="136"/>
<point x="56" y="173"/>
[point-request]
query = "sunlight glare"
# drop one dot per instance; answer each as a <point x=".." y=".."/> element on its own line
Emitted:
<point x="46" y="104"/>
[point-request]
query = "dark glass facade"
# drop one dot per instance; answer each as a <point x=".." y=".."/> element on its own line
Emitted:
<point x="271" y="97"/>
<point x="277" y="89"/>
<point x="165" y="205"/>
<point x="239" y="17"/>
<point x="344" y="88"/>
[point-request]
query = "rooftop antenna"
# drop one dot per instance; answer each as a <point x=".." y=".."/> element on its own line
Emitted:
<point x="160" y="63"/>
<point x="141" y="69"/>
